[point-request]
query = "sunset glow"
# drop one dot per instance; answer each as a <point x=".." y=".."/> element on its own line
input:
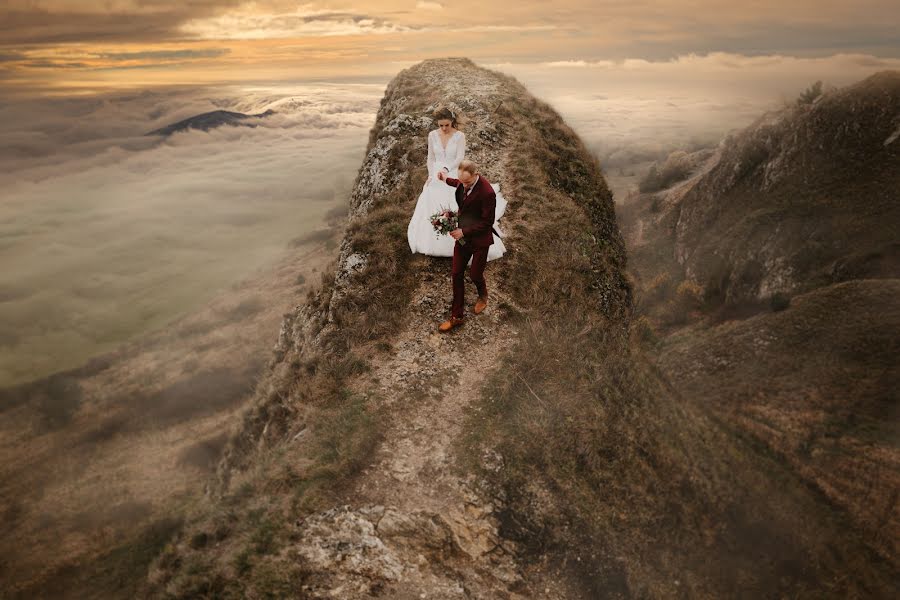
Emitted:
<point x="46" y="45"/>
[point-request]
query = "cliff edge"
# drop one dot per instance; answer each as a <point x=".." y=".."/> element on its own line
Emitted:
<point x="364" y="403"/>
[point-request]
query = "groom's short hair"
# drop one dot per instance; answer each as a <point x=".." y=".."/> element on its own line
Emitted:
<point x="468" y="166"/>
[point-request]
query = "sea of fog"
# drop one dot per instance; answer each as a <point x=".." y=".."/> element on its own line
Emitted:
<point x="106" y="233"/>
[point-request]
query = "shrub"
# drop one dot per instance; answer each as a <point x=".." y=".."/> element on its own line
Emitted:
<point x="659" y="287"/>
<point x="247" y="308"/>
<point x="688" y="298"/>
<point x="689" y="294"/>
<point x="779" y="301"/>
<point x="676" y="168"/>
<point x="650" y="182"/>
<point x="199" y="540"/>
<point x="58" y="400"/>
<point x="810" y="94"/>
<point x="644" y="332"/>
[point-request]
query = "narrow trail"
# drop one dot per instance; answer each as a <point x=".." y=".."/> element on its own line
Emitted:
<point x="414" y="526"/>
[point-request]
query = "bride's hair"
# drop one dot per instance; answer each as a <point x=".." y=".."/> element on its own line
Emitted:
<point x="445" y="113"/>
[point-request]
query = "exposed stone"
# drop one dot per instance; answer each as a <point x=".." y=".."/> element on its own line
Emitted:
<point x="777" y="206"/>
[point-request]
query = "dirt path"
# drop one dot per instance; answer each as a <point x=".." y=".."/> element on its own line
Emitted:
<point x="415" y="527"/>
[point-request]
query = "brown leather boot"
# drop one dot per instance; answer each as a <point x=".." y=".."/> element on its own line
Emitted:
<point x="480" y="304"/>
<point x="450" y="324"/>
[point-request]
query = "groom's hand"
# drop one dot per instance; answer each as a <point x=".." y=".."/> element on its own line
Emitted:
<point x="456" y="234"/>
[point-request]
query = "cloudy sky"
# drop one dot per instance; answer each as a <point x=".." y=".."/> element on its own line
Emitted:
<point x="53" y="43"/>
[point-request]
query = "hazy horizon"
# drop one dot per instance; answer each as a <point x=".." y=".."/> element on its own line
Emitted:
<point x="95" y="213"/>
<point x="105" y="232"/>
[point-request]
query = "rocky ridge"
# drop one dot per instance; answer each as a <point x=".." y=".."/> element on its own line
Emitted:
<point x="803" y="197"/>
<point x="534" y="453"/>
<point x="416" y="525"/>
<point x="411" y="523"/>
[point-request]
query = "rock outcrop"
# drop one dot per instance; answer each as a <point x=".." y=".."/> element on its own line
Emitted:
<point x="359" y="369"/>
<point x="806" y="196"/>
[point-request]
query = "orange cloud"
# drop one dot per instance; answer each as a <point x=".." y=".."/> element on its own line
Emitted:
<point x="125" y="42"/>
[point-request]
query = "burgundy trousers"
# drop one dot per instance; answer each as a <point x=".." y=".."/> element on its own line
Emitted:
<point x="461" y="255"/>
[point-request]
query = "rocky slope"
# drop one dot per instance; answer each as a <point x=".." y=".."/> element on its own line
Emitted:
<point x="394" y="516"/>
<point x="530" y="454"/>
<point x="770" y="275"/>
<point x="804" y="197"/>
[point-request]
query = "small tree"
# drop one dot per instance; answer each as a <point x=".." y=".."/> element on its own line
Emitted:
<point x="650" y="183"/>
<point x="811" y="93"/>
<point x="677" y="167"/>
<point x="779" y="301"/>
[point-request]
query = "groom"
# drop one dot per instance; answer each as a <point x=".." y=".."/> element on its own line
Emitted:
<point x="476" y="201"/>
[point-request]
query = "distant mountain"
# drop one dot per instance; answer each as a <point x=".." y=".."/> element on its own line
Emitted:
<point x="767" y="274"/>
<point x="210" y="120"/>
<point x="804" y="197"/>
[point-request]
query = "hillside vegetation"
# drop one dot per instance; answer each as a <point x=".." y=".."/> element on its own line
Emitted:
<point x="766" y="281"/>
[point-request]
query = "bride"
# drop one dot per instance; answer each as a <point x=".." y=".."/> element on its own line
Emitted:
<point x="446" y="149"/>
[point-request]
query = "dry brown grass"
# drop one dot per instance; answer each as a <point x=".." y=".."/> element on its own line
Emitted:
<point x="604" y="465"/>
<point x="814" y="384"/>
<point x="629" y="488"/>
<point x="310" y="430"/>
<point x="599" y="462"/>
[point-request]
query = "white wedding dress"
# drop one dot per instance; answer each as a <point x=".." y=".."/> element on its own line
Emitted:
<point x="437" y="195"/>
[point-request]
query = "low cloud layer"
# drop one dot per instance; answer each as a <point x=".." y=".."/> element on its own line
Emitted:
<point x="97" y="218"/>
<point x="106" y="232"/>
<point x="637" y="107"/>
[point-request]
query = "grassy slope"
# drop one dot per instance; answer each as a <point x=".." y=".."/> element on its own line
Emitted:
<point x="816" y="384"/>
<point x="811" y="386"/>
<point x="601" y="462"/>
<point x="812" y="194"/>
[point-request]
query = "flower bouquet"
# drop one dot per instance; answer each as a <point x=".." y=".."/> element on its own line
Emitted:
<point x="446" y="221"/>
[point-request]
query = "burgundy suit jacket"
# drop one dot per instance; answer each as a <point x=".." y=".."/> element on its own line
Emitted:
<point x="476" y="211"/>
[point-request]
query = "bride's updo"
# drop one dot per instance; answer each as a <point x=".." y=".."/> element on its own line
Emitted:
<point x="445" y="113"/>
